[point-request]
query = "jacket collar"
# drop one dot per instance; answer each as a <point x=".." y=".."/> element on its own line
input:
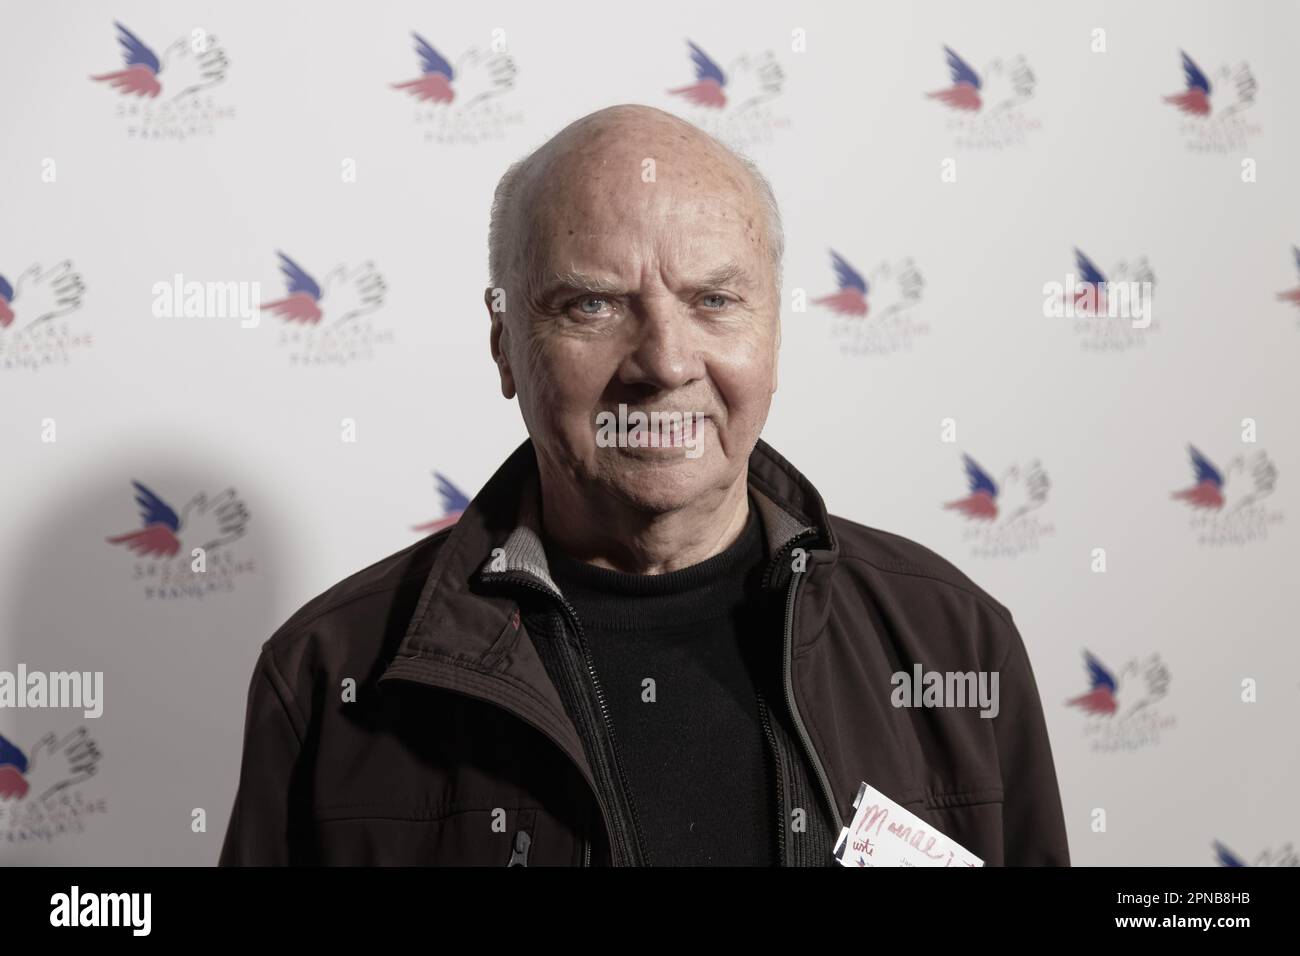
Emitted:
<point x="500" y="534"/>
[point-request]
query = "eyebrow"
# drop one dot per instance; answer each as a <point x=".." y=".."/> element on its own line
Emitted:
<point x="576" y="280"/>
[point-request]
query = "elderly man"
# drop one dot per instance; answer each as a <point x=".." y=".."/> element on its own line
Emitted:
<point x="645" y="642"/>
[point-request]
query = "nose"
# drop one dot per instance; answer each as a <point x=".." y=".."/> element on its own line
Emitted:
<point x="664" y="353"/>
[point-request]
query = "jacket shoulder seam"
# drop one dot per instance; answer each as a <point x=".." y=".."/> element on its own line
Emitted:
<point x="293" y="628"/>
<point x="284" y="694"/>
<point x="912" y="570"/>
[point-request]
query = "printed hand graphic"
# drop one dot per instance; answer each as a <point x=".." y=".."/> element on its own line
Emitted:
<point x="209" y="523"/>
<point x="41" y="296"/>
<point x="482" y="75"/>
<point x="753" y="80"/>
<point x="186" y="70"/>
<point x="56" y="764"/>
<point x="348" y="294"/>
<point x="894" y="288"/>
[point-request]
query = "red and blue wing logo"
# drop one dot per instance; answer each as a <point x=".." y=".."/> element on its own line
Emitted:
<point x="13" y="772"/>
<point x="1195" y="100"/>
<point x="981" y="503"/>
<point x="6" y="303"/>
<point x="1226" y="857"/>
<point x="158" y="536"/>
<point x="1291" y="295"/>
<point x="710" y="82"/>
<point x="964" y="93"/>
<point x="454" y="503"/>
<point x="1101" y="698"/>
<point x="1208" y="490"/>
<point x="436" y="75"/>
<point x="851" y="299"/>
<point x="1091" y="296"/>
<point x="302" y="304"/>
<point x="140" y="78"/>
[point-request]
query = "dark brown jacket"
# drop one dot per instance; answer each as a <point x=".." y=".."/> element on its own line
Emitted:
<point x="476" y="732"/>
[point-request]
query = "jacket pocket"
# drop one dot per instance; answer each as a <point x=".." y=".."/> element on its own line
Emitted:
<point x="389" y="836"/>
<point x="973" y="818"/>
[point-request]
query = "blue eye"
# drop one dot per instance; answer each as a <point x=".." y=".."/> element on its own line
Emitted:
<point x="720" y="303"/>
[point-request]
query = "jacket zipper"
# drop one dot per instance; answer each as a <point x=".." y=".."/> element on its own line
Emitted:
<point x="802" y="732"/>
<point x="775" y="751"/>
<point x="624" y="837"/>
<point x="519" y="853"/>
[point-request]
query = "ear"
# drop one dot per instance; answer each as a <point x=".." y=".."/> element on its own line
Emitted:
<point x="500" y="344"/>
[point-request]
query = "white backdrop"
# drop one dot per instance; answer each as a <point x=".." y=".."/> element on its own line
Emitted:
<point x="298" y="141"/>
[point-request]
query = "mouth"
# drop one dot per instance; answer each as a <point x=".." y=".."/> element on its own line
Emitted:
<point x="653" y="433"/>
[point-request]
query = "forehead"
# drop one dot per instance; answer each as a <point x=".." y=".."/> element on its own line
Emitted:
<point x="604" y="211"/>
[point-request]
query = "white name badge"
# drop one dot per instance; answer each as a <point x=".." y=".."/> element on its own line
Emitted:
<point x="884" y="834"/>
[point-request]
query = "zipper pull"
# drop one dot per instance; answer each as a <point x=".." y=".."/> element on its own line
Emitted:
<point x="519" y="855"/>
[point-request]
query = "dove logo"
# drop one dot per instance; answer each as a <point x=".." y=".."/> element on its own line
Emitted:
<point x="985" y="106"/>
<point x="1120" y="707"/>
<point x="459" y="103"/>
<point x="874" y="316"/>
<point x="1229" y="504"/>
<point x="1292" y="295"/>
<point x="1098" y="302"/>
<point x="1285" y="855"/>
<point x="40" y="790"/>
<point x="733" y="104"/>
<point x="319" y="319"/>
<point x="31" y="307"/>
<point x="206" y="526"/>
<point x="188" y="66"/>
<point x="1000" y="513"/>
<point x="454" y="503"/>
<point x="1212" y="109"/>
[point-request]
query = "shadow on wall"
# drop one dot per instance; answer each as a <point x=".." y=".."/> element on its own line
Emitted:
<point x="176" y="648"/>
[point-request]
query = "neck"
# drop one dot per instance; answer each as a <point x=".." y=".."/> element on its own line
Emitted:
<point x="610" y="533"/>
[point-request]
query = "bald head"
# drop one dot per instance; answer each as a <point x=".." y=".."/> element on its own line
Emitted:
<point x="611" y="153"/>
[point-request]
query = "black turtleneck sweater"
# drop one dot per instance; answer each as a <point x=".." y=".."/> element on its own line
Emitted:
<point x="679" y="656"/>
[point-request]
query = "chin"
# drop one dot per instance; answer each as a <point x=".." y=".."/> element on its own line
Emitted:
<point x="661" y="485"/>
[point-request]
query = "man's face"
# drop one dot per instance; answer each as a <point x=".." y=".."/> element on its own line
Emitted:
<point x="658" y="296"/>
